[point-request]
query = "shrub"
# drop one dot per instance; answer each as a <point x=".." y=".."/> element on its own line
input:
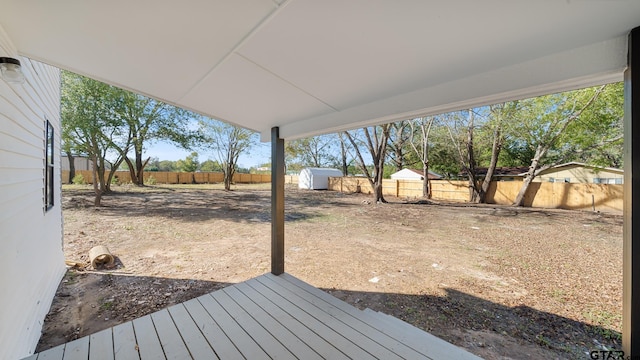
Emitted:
<point x="79" y="180"/>
<point x="151" y="180"/>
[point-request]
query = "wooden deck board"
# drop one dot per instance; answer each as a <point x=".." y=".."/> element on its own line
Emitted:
<point x="125" y="346"/>
<point x="223" y="347"/>
<point x="197" y="344"/>
<point x="77" y="349"/>
<point x="350" y="316"/>
<point x="147" y="339"/>
<point x="241" y="340"/>
<point x="263" y="338"/>
<point x="314" y="340"/>
<point x="332" y="317"/>
<point x="420" y="341"/>
<point x="340" y="341"/>
<point x="55" y="353"/>
<point x="268" y="317"/>
<point x="280" y="333"/>
<point x="101" y="345"/>
<point x="170" y="339"/>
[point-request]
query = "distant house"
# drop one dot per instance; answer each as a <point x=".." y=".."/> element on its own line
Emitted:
<point x="505" y="173"/>
<point x="81" y="162"/>
<point x="575" y="172"/>
<point x="412" y="174"/>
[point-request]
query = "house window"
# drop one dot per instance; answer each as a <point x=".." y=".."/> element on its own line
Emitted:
<point x="552" y="180"/>
<point x="567" y="180"/>
<point x="613" y="181"/>
<point x="48" y="168"/>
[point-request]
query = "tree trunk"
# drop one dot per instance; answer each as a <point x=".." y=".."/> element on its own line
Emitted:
<point x="72" y="167"/>
<point x="343" y="154"/>
<point x="140" y="167"/>
<point x="474" y="195"/>
<point x="423" y="152"/>
<point x="377" y="193"/>
<point x="228" y="176"/>
<point x="531" y="174"/>
<point x="98" y="179"/>
<point x="495" y="152"/>
<point x="426" y="184"/>
<point x="132" y="171"/>
<point x="112" y="172"/>
<point x="377" y="148"/>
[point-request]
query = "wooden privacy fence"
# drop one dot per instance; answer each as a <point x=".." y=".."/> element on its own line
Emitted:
<point x="602" y="197"/>
<point x="162" y="177"/>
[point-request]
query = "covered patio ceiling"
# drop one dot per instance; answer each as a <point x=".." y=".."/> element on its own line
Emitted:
<point x="311" y="67"/>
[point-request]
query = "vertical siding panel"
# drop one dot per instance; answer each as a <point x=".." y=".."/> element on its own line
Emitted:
<point x="31" y="260"/>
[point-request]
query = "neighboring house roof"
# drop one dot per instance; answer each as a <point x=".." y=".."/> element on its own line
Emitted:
<point x="499" y="171"/>
<point x="414" y="174"/>
<point x="579" y="164"/>
<point x="522" y="170"/>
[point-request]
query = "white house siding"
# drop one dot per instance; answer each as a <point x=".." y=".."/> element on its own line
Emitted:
<point x="31" y="258"/>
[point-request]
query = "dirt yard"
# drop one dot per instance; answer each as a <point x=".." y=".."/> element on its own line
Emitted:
<point x="501" y="282"/>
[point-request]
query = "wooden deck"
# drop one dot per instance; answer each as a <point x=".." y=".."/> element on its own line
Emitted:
<point x="268" y="317"/>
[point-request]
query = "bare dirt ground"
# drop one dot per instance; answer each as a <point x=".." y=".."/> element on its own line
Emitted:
<point x="502" y="282"/>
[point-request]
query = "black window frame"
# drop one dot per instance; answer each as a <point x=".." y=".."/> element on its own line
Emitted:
<point x="49" y="166"/>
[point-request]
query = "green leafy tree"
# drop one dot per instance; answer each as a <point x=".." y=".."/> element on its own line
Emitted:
<point x="228" y="142"/>
<point x="210" y="166"/>
<point x="149" y="120"/>
<point x="152" y="164"/>
<point x="167" y="165"/>
<point x="314" y="151"/>
<point x="90" y="126"/>
<point x="555" y="128"/>
<point x="190" y="163"/>
<point x="134" y="120"/>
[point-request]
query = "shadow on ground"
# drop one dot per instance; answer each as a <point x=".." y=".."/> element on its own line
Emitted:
<point x="465" y="320"/>
<point x="203" y="205"/>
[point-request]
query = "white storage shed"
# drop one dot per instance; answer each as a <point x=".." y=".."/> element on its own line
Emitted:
<point x="316" y="178"/>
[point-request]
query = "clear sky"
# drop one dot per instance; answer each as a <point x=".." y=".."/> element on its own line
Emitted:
<point x="258" y="155"/>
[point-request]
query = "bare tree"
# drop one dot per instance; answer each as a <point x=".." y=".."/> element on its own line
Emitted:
<point x="228" y="141"/>
<point x="399" y="137"/>
<point x="344" y="152"/>
<point x="498" y="113"/>
<point x="465" y="152"/>
<point x="376" y="142"/>
<point x="423" y="126"/>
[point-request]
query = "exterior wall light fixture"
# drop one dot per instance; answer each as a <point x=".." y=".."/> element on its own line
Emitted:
<point x="11" y="70"/>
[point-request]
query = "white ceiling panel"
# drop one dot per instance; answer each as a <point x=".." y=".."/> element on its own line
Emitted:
<point x="354" y="52"/>
<point x="239" y="89"/>
<point x="311" y="67"/>
<point x="160" y="48"/>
